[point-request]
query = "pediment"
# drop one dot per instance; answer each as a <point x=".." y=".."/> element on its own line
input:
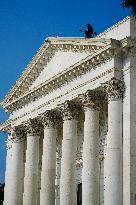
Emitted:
<point x="54" y="57"/>
<point x="59" y="62"/>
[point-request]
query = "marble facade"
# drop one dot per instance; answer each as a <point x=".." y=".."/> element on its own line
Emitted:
<point x="73" y="122"/>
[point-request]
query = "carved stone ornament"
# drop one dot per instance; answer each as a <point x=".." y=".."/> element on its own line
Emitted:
<point x="69" y="109"/>
<point x="7" y="129"/>
<point x="91" y="99"/>
<point x="23" y="95"/>
<point x="114" y="89"/>
<point x="33" y="126"/>
<point x="50" y="118"/>
<point x="17" y="134"/>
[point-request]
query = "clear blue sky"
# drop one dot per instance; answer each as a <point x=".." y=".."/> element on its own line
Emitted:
<point x="24" y="24"/>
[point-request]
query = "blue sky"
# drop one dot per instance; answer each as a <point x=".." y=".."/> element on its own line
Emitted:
<point x="24" y="24"/>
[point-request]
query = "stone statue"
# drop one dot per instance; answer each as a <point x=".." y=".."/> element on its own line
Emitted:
<point x="89" y="32"/>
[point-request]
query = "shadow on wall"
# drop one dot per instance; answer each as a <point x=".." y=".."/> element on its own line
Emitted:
<point x="1" y="193"/>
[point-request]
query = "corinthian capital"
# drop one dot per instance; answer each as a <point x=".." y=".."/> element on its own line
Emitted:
<point x="69" y="110"/>
<point x="91" y="99"/>
<point x="33" y="126"/>
<point x="49" y="118"/>
<point x="17" y="134"/>
<point x="114" y="89"/>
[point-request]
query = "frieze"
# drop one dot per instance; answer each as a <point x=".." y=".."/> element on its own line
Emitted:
<point x="4" y="126"/>
<point x="76" y="48"/>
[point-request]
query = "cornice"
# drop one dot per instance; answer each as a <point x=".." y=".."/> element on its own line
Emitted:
<point x="34" y="62"/>
<point x="113" y="48"/>
<point x="75" y="42"/>
<point x="128" y="42"/>
<point x="6" y="126"/>
<point x="115" y="26"/>
<point x="128" y="46"/>
<point x="69" y="74"/>
<point x="44" y="55"/>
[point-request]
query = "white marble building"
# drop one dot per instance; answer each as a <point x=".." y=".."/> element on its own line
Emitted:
<point x="72" y="128"/>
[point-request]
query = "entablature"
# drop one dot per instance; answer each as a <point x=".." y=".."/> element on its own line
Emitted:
<point x="52" y="100"/>
<point x="61" y="78"/>
<point x="112" y="50"/>
<point x="44" y="55"/>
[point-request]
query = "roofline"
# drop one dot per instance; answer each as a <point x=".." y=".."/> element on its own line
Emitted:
<point x="44" y="46"/>
<point x="58" y="40"/>
<point x="73" y="40"/>
<point x="114" y="26"/>
<point x="92" y="58"/>
<point x="27" y="69"/>
<point x="98" y="36"/>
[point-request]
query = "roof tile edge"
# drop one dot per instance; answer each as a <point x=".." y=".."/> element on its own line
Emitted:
<point x="114" y="26"/>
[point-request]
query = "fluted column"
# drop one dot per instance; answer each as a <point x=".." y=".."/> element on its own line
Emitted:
<point x="68" y="193"/>
<point x="14" y="176"/>
<point x="47" y="193"/>
<point x="113" y="154"/>
<point x="40" y="166"/>
<point x="58" y="163"/>
<point x="90" y="174"/>
<point x="31" y="166"/>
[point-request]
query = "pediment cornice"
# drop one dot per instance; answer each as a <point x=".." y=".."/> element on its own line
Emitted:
<point x="61" y="78"/>
<point x="44" y="55"/>
<point x="129" y="46"/>
<point x="100" y="50"/>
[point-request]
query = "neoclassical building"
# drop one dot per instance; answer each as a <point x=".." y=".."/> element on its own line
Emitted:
<point x="72" y="126"/>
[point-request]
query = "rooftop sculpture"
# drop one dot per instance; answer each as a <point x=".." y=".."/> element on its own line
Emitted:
<point x="89" y="32"/>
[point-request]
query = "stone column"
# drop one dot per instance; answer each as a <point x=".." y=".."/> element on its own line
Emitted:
<point x="113" y="153"/>
<point x="14" y="176"/>
<point x="68" y="193"/>
<point x="58" y="163"/>
<point x="40" y="166"/>
<point x="48" y="174"/>
<point x="31" y="166"/>
<point x="90" y="174"/>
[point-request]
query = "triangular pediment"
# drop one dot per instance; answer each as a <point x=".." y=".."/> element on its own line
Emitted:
<point x="59" y="62"/>
<point x="55" y="56"/>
